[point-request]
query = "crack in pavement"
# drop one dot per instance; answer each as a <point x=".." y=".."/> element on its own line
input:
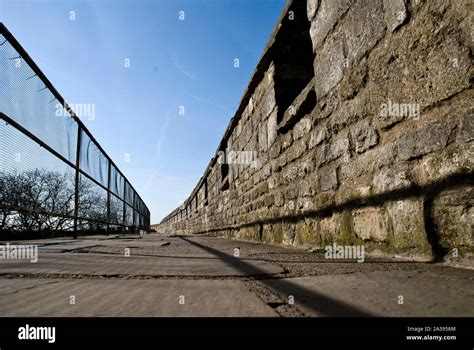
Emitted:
<point x="132" y="277"/>
<point x="272" y="299"/>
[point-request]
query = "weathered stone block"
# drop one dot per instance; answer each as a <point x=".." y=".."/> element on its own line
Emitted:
<point x="440" y="165"/>
<point x="272" y="128"/>
<point x="272" y="233"/>
<point x="329" y="65"/>
<point x="351" y="112"/>
<point x="282" y="160"/>
<point x="366" y="26"/>
<point x="323" y="200"/>
<point x="266" y="172"/>
<point x="407" y="218"/>
<point x="369" y="162"/>
<point x="262" y="137"/>
<point x="273" y="182"/>
<point x="452" y="214"/>
<point x="328" y="14"/>
<point x="338" y="148"/>
<point x="286" y="140"/>
<point x="371" y="224"/>
<point x="247" y="132"/>
<point x="268" y="104"/>
<point x="327" y="227"/>
<point x="364" y="136"/>
<point x="275" y="150"/>
<point x="319" y="134"/>
<point x="289" y="232"/>
<point x="248" y="110"/>
<point x="423" y="66"/>
<point x="430" y="138"/>
<point x="238" y="129"/>
<point x="329" y="152"/>
<point x="395" y="13"/>
<point x="466" y="133"/>
<point x="250" y="233"/>
<point x="262" y="189"/>
<point x="350" y="192"/>
<point x="307" y="233"/>
<point x="288" y="208"/>
<point x="305" y="188"/>
<point x="327" y="179"/>
<point x="279" y="199"/>
<point x="296" y="150"/>
<point x="301" y="128"/>
<point x="345" y="234"/>
<point x="326" y="106"/>
<point x="291" y="174"/>
<point x="306" y="168"/>
<point x="311" y="8"/>
<point x="389" y="180"/>
<point x="252" y="146"/>
<point x="354" y="81"/>
<point x="291" y="192"/>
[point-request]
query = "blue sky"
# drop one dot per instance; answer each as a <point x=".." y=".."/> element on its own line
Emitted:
<point x="173" y="63"/>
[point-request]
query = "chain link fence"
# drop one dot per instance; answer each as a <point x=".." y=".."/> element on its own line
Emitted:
<point x="55" y="178"/>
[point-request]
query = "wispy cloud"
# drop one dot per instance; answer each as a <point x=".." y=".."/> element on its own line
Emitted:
<point x="208" y="102"/>
<point x="183" y="70"/>
<point x="162" y="135"/>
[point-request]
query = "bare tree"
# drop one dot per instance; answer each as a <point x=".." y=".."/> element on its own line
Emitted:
<point x="43" y="201"/>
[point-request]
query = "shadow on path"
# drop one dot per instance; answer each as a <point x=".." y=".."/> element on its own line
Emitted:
<point x="316" y="302"/>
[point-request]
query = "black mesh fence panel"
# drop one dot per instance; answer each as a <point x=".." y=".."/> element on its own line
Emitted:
<point x="128" y="215"/>
<point x="54" y="176"/>
<point x="116" y="211"/>
<point x="129" y="193"/>
<point x="92" y="161"/>
<point x="92" y="201"/>
<point x="36" y="188"/>
<point x="117" y="183"/>
<point x="25" y="98"/>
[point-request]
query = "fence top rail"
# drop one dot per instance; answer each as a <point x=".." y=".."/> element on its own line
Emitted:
<point x="25" y="56"/>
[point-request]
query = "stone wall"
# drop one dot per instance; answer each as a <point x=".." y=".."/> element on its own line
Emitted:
<point x="356" y="128"/>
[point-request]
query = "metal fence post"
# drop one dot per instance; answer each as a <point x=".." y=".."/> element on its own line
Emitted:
<point x="134" y="210"/>
<point x="76" y="190"/>
<point x="108" y="197"/>
<point x="125" y="203"/>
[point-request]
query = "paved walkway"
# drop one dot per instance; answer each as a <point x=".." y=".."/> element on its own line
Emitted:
<point x="200" y="276"/>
